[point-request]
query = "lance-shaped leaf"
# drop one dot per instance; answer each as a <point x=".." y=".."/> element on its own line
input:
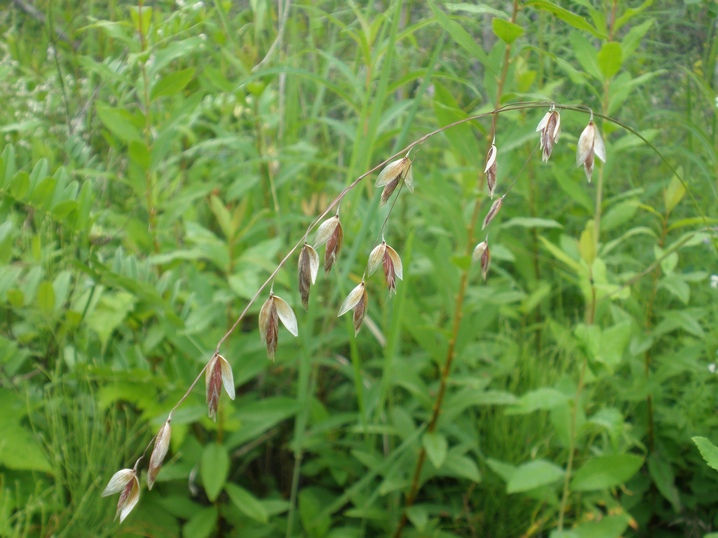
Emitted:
<point x="490" y="170"/>
<point x="549" y="129"/>
<point x="162" y="443"/>
<point x="590" y="143"/>
<point x="385" y="256"/>
<point x="331" y="233"/>
<point x="126" y="482"/>
<point x="274" y="309"/>
<point x="357" y="300"/>
<point x="493" y="211"/>
<point x="307" y="272"/>
<point x="217" y="375"/>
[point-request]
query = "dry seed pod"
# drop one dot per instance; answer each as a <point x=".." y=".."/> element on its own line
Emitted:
<point x="331" y="233"/>
<point x="217" y="375"/>
<point x="392" y="175"/>
<point x="549" y="129"/>
<point x="493" y="211"/>
<point x="590" y="143"/>
<point x="124" y="481"/>
<point x="388" y="258"/>
<point x="490" y="169"/>
<point x="275" y="309"/>
<point x="358" y="301"/>
<point x="162" y="443"/>
<point x="308" y="269"/>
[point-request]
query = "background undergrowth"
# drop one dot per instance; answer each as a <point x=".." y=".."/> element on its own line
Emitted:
<point x="159" y="159"/>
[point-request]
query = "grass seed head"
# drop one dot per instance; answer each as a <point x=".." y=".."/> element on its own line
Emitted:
<point x="162" y="443"/>
<point x="275" y="309"/>
<point x="331" y="233"/>
<point x="217" y="375"/>
<point x="391" y="177"/>
<point x="490" y="169"/>
<point x="549" y="129"/>
<point x="590" y="143"/>
<point x="307" y="272"/>
<point x="127" y="484"/>
<point x="485" y="262"/>
<point x="357" y="300"/>
<point x="493" y="211"/>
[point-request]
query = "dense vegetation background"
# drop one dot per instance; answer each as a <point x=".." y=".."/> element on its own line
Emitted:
<point x="158" y="160"/>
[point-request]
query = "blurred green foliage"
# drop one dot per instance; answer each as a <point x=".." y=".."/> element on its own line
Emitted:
<point x="159" y="159"/>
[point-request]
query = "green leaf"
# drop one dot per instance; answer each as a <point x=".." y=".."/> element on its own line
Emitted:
<point x="560" y="254"/>
<point x="139" y="154"/>
<point x="201" y="524"/>
<point x="462" y="136"/>
<point x="585" y="54"/>
<point x="436" y="448"/>
<point x="418" y="514"/>
<point x="610" y="59"/>
<point x="172" y="83"/>
<point x="534" y="474"/>
<point x="246" y="502"/>
<point x="539" y="399"/>
<point x="618" y="215"/>
<point x="606" y="527"/>
<point x="680" y="319"/>
<point x="606" y="472"/>
<point x="665" y="479"/>
<point x="20" y="185"/>
<point x="119" y="122"/>
<point x="458" y="34"/>
<point x="214" y="466"/>
<point x="528" y="222"/>
<point x="673" y="195"/>
<point x="708" y="450"/>
<point x="507" y="31"/>
<point x="460" y="466"/>
<point x="46" y="297"/>
<point x="312" y="501"/>
<point x="110" y="313"/>
<point x="676" y="286"/>
<point x="18" y="447"/>
<point x="587" y="243"/>
<point x="634" y="36"/>
<point x="567" y="16"/>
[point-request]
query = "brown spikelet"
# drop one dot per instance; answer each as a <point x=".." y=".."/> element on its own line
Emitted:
<point x="334" y="245"/>
<point x="485" y="262"/>
<point x="162" y="443"/>
<point x="269" y="326"/>
<point x="490" y="170"/>
<point x="388" y="191"/>
<point x="308" y="269"/>
<point x="549" y="129"/>
<point x="357" y="300"/>
<point x="493" y="211"/>
<point x="213" y="383"/>
<point x="392" y="175"/>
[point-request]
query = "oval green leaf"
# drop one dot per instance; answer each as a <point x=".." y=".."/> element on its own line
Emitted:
<point x="606" y="472"/>
<point x="214" y="467"/>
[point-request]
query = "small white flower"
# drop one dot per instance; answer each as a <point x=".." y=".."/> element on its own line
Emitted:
<point x="714" y="281"/>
